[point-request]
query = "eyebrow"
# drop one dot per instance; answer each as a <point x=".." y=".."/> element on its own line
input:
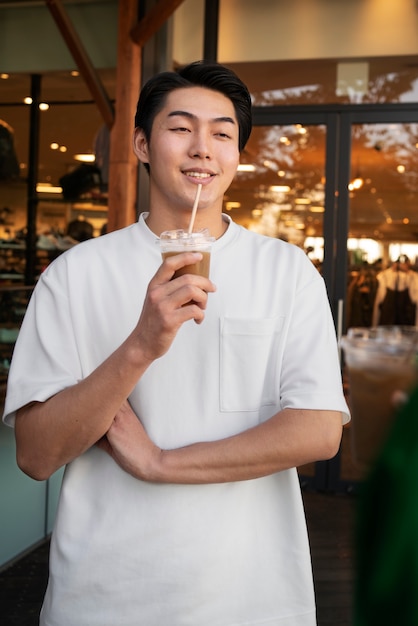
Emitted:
<point x="191" y="116"/>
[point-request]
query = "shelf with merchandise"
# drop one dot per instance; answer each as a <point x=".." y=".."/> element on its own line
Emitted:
<point x="13" y="303"/>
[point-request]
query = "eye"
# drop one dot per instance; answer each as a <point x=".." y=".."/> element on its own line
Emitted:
<point x="222" y="133"/>
<point x="180" y="129"/>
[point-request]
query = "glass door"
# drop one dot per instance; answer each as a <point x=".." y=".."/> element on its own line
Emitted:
<point x="382" y="233"/>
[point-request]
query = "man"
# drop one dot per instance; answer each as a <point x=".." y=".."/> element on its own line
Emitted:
<point x="179" y="407"/>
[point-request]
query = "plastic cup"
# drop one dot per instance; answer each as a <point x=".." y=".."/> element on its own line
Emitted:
<point x="381" y="364"/>
<point x="174" y="242"/>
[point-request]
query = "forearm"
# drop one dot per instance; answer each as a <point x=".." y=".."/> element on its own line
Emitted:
<point x="52" y="433"/>
<point x="289" y="439"/>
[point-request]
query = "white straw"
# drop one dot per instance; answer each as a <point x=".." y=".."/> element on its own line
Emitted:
<point x="194" y="210"/>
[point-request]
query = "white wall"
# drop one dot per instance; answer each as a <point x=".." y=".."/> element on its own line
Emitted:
<point x="188" y="22"/>
<point x="262" y="30"/>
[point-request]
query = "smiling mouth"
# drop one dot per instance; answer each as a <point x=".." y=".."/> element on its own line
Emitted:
<point x="201" y="175"/>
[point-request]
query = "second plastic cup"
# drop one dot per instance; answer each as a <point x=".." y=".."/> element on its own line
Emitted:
<point x="381" y="362"/>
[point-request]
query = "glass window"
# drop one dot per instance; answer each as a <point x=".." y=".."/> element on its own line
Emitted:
<point x="330" y="81"/>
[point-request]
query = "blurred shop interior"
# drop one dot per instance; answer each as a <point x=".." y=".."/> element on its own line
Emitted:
<point x="331" y="166"/>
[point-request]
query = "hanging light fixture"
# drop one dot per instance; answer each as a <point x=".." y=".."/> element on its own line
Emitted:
<point x="357" y="182"/>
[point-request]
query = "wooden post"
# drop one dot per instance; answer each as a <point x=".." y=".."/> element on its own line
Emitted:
<point x="153" y="20"/>
<point x="80" y="56"/>
<point x="123" y="164"/>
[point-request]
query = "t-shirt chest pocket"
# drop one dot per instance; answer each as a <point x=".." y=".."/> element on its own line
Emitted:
<point x="248" y="363"/>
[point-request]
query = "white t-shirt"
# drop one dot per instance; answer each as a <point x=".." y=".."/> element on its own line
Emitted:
<point x="130" y="553"/>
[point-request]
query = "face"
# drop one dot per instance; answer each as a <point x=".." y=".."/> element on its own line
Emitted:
<point x="194" y="139"/>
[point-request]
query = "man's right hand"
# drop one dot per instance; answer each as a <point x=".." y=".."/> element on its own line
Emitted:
<point x="169" y="303"/>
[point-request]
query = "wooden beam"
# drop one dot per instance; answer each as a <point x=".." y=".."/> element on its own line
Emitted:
<point x="123" y="164"/>
<point x="82" y="60"/>
<point x="153" y="20"/>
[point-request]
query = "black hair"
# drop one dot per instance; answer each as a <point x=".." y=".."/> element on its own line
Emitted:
<point x="202" y="74"/>
<point x="402" y="259"/>
<point x="80" y="230"/>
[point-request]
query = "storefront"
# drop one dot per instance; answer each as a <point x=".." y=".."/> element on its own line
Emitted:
<point x="331" y="164"/>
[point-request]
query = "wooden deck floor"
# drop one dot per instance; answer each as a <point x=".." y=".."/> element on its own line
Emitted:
<point x="329" y="519"/>
<point x="330" y="524"/>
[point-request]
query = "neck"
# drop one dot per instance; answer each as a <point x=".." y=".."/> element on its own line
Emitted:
<point x="160" y="220"/>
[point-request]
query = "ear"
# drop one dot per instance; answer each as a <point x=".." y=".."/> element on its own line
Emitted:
<point x="140" y="145"/>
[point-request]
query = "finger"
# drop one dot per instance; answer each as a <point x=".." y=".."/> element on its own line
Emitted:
<point x="104" y="445"/>
<point x="195" y="280"/>
<point x="124" y="415"/>
<point x="173" y="263"/>
<point x="173" y="295"/>
<point x="184" y="303"/>
<point x="125" y="407"/>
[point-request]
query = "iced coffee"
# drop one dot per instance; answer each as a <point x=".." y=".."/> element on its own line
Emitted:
<point x="381" y="364"/>
<point x="174" y="242"/>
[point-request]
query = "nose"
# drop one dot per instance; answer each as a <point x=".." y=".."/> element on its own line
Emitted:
<point x="200" y="146"/>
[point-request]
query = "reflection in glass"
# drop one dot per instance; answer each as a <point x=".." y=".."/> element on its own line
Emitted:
<point x="283" y="195"/>
<point x="383" y="221"/>
<point x="383" y="208"/>
<point x="327" y="81"/>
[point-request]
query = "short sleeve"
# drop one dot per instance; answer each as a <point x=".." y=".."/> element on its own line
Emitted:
<point x="45" y="359"/>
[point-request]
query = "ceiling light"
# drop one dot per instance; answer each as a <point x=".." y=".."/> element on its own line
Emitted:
<point x="356" y="183"/>
<point x="27" y="100"/>
<point x="75" y="73"/>
<point x="85" y="157"/>
<point x="232" y="205"/>
<point x="63" y="148"/>
<point x="302" y="201"/>
<point x="246" y="167"/>
<point x="317" y="209"/>
<point x="279" y="188"/>
<point x="54" y="145"/>
<point x="43" y="106"/>
<point x="401" y="169"/>
<point x="271" y="165"/>
<point x="47" y="188"/>
<point x="4" y="76"/>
